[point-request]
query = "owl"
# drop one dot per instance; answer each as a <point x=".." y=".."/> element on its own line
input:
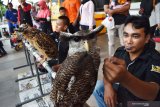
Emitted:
<point x="40" y="41"/>
<point x="76" y="78"/>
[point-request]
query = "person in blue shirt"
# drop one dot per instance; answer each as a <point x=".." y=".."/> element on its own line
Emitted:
<point x="11" y="16"/>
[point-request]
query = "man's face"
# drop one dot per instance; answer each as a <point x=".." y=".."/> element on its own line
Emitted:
<point x="134" y="39"/>
<point x="62" y="12"/>
<point x="60" y="26"/>
<point x="21" y="1"/>
<point x="9" y="6"/>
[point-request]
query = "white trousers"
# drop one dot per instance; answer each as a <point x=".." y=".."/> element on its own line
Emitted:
<point x="111" y="38"/>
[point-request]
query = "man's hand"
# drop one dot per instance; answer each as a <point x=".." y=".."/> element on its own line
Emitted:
<point x="110" y="12"/>
<point x="110" y="96"/>
<point x="114" y="69"/>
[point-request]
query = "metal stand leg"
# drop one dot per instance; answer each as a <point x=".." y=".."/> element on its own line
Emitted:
<point x="29" y="61"/>
<point x="29" y="64"/>
<point x="29" y="77"/>
<point x="25" y="52"/>
<point x="38" y="77"/>
<point x="40" y="88"/>
<point x="25" y="102"/>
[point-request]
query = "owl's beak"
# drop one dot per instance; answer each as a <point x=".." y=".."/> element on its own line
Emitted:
<point x="86" y="46"/>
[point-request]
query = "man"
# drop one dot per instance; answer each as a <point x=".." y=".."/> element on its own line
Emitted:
<point x="119" y="15"/>
<point x="135" y="66"/>
<point x="63" y="46"/>
<point x="72" y="7"/>
<point x="11" y="16"/>
<point x="62" y="11"/>
<point x="24" y="15"/>
<point x="151" y="9"/>
<point x="2" y="50"/>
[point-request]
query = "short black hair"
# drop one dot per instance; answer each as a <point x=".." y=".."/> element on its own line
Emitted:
<point x="139" y="22"/>
<point x="62" y="8"/>
<point x="65" y="20"/>
<point x="10" y="4"/>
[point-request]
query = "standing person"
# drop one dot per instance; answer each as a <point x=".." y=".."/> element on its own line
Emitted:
<point x="43" y="17"/>
<point x="24" y="15"/>
<point x="155" y="17"/>
<point x="2" y="50"/>
<point x="119" y="15"/>
<point x="72" y="7"/>
<point x="135" y="66"/>
<point x="11" y="16"/>
<point x="63" y="12"/>
<point x="33" y="15"/>
<point x="87" y="21"/>
<point x="151" y="9"/>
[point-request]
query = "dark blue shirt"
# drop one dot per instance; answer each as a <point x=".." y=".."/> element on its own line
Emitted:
<point x="11" y="15"/>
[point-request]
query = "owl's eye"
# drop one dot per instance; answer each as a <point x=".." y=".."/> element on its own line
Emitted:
<point x="76" y="39"/>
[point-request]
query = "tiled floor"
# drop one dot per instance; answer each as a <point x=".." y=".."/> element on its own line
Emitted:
<point x="9" y="88"/>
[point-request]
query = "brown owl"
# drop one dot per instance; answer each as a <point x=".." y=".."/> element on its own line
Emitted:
<point x="77" y="75"/>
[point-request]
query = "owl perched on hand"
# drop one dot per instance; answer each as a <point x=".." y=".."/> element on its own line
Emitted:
<point x="76" y="78"/>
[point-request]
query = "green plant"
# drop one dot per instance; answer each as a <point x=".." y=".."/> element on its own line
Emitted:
<point x="2" y="9"/>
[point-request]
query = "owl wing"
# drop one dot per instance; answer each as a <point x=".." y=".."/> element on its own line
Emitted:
<point x="67" y="70"/>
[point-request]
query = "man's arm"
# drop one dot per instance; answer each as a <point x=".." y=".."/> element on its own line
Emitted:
<point x="141" y="89"/>
<point x="106" y="8"/>
<point x="115" y="70"/>
<point x="121" y="10"/>
<point x="110" y="95"/>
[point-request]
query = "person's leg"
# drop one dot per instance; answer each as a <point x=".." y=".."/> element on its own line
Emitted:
<point x="152" y="30"/>
<point x="3" y="50"/>
<point x="11" y="31"/>
<point x="120" y="33"/>
<point x="111" y="43"/>
<point x="99" y="93"/>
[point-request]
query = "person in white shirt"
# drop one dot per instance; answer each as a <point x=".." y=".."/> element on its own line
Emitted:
<point x="87" y="21"/>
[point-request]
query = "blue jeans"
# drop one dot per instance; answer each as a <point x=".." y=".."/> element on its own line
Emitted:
<point x="99" y="93"/>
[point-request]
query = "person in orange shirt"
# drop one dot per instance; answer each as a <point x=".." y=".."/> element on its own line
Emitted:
<point x="72" y="7"/>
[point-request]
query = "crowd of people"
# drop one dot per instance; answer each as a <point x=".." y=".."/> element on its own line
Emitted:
<point x="130" y="69"/>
